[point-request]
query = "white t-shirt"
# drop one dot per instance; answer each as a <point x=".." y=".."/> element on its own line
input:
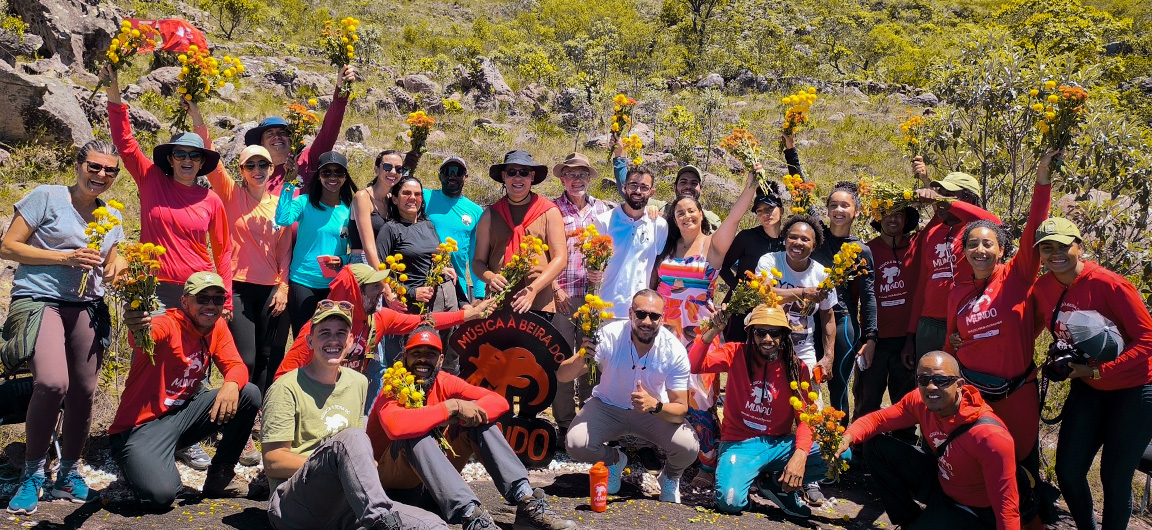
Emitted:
<point x="635" y="245"/>
<point x="664" y="368"/>
<point x="803" y="328"/>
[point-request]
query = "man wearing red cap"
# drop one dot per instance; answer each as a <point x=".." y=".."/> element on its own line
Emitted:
<point x="412" y="464"/>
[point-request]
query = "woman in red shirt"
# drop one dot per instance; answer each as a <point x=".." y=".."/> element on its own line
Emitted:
<point x="1110" y="402"/>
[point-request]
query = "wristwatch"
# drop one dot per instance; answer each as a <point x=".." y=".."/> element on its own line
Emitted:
<point x="659" y="407"/>
<point x="1096" y="373"/>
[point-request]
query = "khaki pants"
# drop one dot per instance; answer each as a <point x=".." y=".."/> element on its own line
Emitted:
<point x="599" y="423"/>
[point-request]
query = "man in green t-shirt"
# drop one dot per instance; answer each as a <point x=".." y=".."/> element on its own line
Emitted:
<point x="316" y="455"/>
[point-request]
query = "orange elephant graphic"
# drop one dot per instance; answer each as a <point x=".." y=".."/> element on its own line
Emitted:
<point x="515" y="367"/>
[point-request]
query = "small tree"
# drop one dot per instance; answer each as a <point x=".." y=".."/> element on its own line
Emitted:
<point x="231" y="15"/>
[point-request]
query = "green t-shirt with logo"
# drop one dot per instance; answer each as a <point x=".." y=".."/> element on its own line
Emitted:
<point x="300" y="410"/>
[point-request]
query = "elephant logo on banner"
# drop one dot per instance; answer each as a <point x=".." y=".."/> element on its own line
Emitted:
<point x="516" y="356"/>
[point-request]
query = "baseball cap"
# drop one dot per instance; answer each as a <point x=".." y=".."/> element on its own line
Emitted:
<point x="365" y="274"/>
<point x="254" y="150"/>
<point x="454" y="160"/>
<point x="202" y="280"/>
<point x="1058" y="229"/>
<point x="1095" y="335"/>
<point x="332" y="157"/>
<point x="957" y="181"/>
<point x="331" y="308"/>
<point x="424" y="338"/>
<point x="765" y="315"/>
<point x="688" y="169"/>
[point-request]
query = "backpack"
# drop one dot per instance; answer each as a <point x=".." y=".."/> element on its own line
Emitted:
<point x="1025" y="482"/>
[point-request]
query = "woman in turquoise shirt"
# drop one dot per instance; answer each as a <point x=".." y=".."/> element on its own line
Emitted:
<point x="321" y="214"/>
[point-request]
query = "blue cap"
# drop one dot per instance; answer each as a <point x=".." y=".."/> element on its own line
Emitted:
<point x="253" y="136"/>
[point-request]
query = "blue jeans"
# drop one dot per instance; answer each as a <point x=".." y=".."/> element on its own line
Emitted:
<point x="742" y="462"/>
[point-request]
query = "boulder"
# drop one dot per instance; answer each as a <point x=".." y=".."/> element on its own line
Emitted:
<point x="40" y="108"/>
<point x="357" y="133"/>
<point x="437" y="137"/>
<point x="76" y="31"/>
<point x="536" y="93"/>
<point x="230" y="147"/>
<point x="597" y="142"/>
<point x="13" y="46"/>
<point x="162" y="80"/>
<point x="50" y="67"/>
<point x="132" y="92"/>
<point x="228" y="93"/>
<point x="485" y="83"/>
<point x="224" y="122"/>
<point x="712" y="80"/>
<point x="404" y="101"/>
<point x="96" y="109"/>
<point x="420" y="84"/>
<point x="5" y="158"/>
<point x="291" y="80"/>
<point x="647" y="137"/>
<point x="926" y="99"/>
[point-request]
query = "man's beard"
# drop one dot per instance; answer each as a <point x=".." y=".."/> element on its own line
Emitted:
<point x="636" y="205"/>
<point x="426" y="384"/>
<point x="641" y="340"/>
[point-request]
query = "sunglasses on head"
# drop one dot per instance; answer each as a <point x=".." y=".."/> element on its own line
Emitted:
<point x="210" y="299"/>
<point x="324" y="305"/>
<point x="401" y="170"/>
<point x="519" y="172"/>
<point x="329" y="173"/>
<point x="96" y="169"/>
<point x="647" y="315"/>
<point x="941" y="381"/>
<point x="252" y="166"/>
<point x="769" y="332"/>
<point x="187" y="155"/>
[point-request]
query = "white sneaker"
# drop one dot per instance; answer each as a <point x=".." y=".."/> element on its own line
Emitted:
<point x="616" y="472"/>
<point x="669" y="489"/>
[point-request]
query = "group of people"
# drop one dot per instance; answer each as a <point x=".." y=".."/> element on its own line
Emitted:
<point x="943" y="317"/>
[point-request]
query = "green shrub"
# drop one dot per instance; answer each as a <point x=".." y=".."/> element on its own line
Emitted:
<point x="231" y="15"/>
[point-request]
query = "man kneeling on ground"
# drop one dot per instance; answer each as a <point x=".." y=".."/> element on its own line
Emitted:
<point x="413" y="466"/>
<point x="317" y="458"/>
<point x="967" y="481"/>
<point x="164" y="408"/>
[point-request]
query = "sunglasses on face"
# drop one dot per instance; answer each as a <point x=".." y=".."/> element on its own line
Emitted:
<point x="398" y="169"/>
<point x="343" y="305"/>
<point x="769" y="332"/>
<point x="96" y="169"/>
<point x="333" y="173"/>
<point x="187" y="155"/>
<point x="941" y="381"/>
<point x="210" y="299"/>
<point x="647" y="315"/>
<point x="252" y="166"/>
<point x="515" y="173"/>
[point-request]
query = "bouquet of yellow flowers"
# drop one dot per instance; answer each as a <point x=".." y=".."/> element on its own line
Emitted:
<point x="441" y="260"/>
<point x="518" y="266"/>
<point x="753" y="290"/>
<point x="588" y="319"/>
<point x="403" y="387"/>
<point x="420" y="124"/>
<point x="825" y="425"/>
<point x="881" y="197"/>
<point x="201" y="75"/>
<point x="136" y="287"/>
<point x="1060" y="110"/>
<point x="746" y="148"/>
<point x="622" y="107"/>
<point x="595" y="248"/>
<point x="395" y="281"/>
<point x="633" y="145"/>
<point x="302" y="123"/>
<point x="796" y="114"/>
<point x="339" y="42"/>
<point x="847" y="265"/>
<point x="104" y="222"/>
<point x="913" y="129"/>
<point x="126" y="45"/>
<point x="803" y="194"/>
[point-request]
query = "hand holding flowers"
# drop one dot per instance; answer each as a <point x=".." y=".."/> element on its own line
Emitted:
<point x="420" y="124"/>
<point x="201" y="75"/>
<point x="400" y="385"/>
<point x="596" y="250"/>
<point x="135" y="287"/>
<point x="130" y="42"/>
<point x="825" y="425"/>
<point x="302" y="123"/>
<point x="518" y="266"/>
<point x="339" y="42"/>
<point x="1060" y="112"/>
<point x="96" y="231"/>
<point x="633" y="146"/>
<point x="441" y="263"/>
<point x="588" y="319"/>
<point x="753" y="290"/>
<point x="796" y="115"/>
<point x="746" y="148"/>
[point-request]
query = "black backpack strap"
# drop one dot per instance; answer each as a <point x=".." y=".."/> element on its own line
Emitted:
<point x="982" y="420"/>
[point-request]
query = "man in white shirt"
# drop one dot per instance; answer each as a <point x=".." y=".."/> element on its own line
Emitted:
<point x="643" y="392"/>
<point x="637" y="239"/>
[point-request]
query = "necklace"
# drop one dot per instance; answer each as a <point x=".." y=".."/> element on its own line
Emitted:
<point x="636" y="357"/>
<point x="518" y="203"/>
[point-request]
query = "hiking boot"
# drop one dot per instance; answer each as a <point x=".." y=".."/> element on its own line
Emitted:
<point x="812" y="494"/>
<point x="616" y="472"/>
<point x="194" y="457"/>
<point x="251" y="455"/>
<point x="669" y="489"/>
<point x="71" y="487"/>
<point x="789" y="503"/>
<point x="28" y="496"/>
<point x="222" y="484"/>
<point x="479" y="519"/>
<point x="532" y="513"/>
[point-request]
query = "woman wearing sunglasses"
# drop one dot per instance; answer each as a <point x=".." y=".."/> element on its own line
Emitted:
<point x="47" y="239"/>
<point x="757" y="437"/>
<point x="175" y="212"/>
<point x="370" y="206"/>
<point x="321" y="216"/>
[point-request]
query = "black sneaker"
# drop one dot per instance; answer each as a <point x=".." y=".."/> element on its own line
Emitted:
<point x="479" y="520"/>
<point x="532" y="513"/>
<point x="223" y="484"/>
<point x="789" y="503"/>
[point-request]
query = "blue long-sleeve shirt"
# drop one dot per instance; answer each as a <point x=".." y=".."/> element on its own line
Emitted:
<point x="319" y="232"/>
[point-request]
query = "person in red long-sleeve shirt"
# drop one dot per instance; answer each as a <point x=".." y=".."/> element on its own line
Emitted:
<point x="1110" y="401"/>
<point x="756" y="436"/>
<point x="971" y="485"/>
<point x="164" y="408"/>
<point x="412" y="464"/>
<point x="939" y="257"/>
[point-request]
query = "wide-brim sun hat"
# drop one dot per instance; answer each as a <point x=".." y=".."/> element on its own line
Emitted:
<point x="161" y="153"/>
<point x="255" y="134"/>
<point x="575" y="160"/>
<point x="519" y="157"/>
<point x="765" y="315"/>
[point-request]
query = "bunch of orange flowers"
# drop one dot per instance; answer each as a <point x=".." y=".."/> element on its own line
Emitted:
<point x="403" y="387"/>
<point x="755" y="289"/>
<point x="339" y="42"/>
<point x="825" y="425"/>
<point x="126" y="45"/>
<point x="596" y="249"/>
<point x="622" y="107"/>
<point x="302" y="123"/>
<point x="913" y="129"/>
<point x="588" y="319"/>
<point x="96" y="231"/>
<point x="420" y="124"/>
<point x="200" y="76"/>
<point x="518" y="266"/>
<point x="803" y="194"/>
<point x="880" y="197"/>
<point x="1060" y="110"/>
<point x="847" y="265"/>
<point x="746" y="148"/>
<point x="633" y="146"/>
<point x="136" y="288"/>
<point x="395" y="281"/>
<point x="796" y="114"/>
<point x="441" y="260"/>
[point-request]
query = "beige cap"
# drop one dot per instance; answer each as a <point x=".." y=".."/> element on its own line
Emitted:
<point x="254" y="150"/>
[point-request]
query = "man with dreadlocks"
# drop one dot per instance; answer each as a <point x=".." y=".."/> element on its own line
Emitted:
<point x="756" y="439"/>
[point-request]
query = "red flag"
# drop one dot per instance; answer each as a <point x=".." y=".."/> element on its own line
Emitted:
<point x="176" y="34"/>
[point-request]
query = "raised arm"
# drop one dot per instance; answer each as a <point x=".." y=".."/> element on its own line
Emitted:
<point x="289" y="209"/>
<point x="724" y="235"/>
<point x="1026" y="263"/>
<point x="329" y="130"/>
<point x="120" y="129"/>
<point x="221" y="238"/>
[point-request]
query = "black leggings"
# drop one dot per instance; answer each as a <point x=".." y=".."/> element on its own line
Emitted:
<point x="260" y="337"/>
<point x="1118" y="421"/>
<point x="842" y="363"/>
<point x="302" y="301"/>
